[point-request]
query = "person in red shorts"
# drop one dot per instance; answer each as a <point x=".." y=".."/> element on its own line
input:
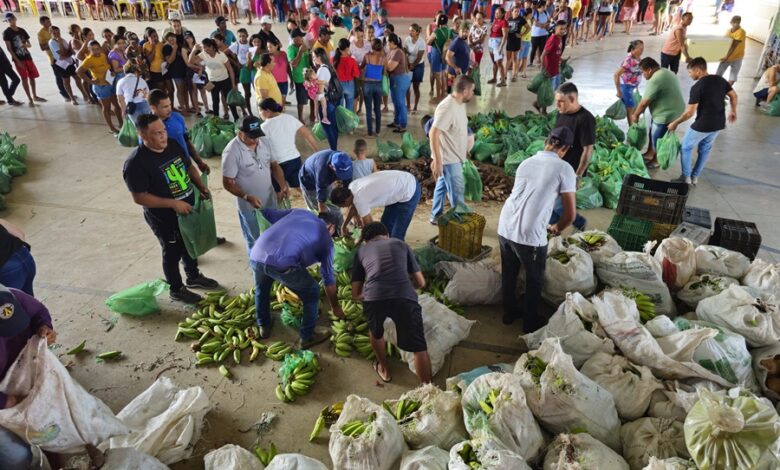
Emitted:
<point x="17" y="41"/>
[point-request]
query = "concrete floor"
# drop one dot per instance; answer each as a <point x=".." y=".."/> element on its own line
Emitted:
<point x="90" y="240"/>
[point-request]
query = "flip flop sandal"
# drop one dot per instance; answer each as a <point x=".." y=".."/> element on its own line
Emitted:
<point x="375" y="365"/>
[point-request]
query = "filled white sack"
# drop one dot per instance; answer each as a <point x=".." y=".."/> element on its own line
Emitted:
<point x="764" y="277"/>
<point x="128" y="458"/>
<point x="640" y="271"/>
<point x="492" y="455"/>
<point x="652" y="437"/>
<point x="717" y="260"/>
<point x="677" y="258"/>
<point x="739" y="311"/>
<point x="673" y="463"/>
<point x="427" y="458"/>
<point x="294" y="462"/>
<point x="460" y="382"/>
<point x="702" y="286"/>
<point x="762" y="370"/>
<point x="471" y="283"/>
<point x="581" y="451"/>
<point x="575" y="275"/>
<point x="437" y="422"/>
<point x="605" y="248"/>
<point x="233" y="457"/>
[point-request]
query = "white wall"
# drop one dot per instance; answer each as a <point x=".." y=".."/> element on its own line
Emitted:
<point x="757" y="16"/>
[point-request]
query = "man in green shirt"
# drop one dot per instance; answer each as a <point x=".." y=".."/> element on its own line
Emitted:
<point x="298" y="56"/>
<point x="664" y="97"/>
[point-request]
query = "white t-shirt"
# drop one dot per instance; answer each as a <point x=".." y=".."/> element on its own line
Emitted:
<point x="126" y="85"/>
<point x="216" y="67"/>
<point x="538" y="183"/>
<point x="323" y="75"/>
<point x="359" y="53"/>
<point x="414" y="48"/>
<point x="280" y="133"/>
<point x="381" y="189"/>
<point x="240" y="51"/>
<point x="450" y="117"/>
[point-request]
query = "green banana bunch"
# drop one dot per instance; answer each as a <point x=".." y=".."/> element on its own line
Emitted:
<point x="588" y="241"/>
<point x="536" y="367"/>
<point x="344" y="279"/>
<point x="488" y="405"/>
<point x="435" y="287"/>
<point x="266" y="456"/>
<point x="469" y="457"/>
<point x="403" y="409"/>
<point x="276" y="351"/>
<point x="560" y="256"/>
<point x="328" y="416"/>
<point x="299" y="382"/>
<point x="358" y="427"/>
<point x="644" y="304"/>
<point x="351" y="333"/>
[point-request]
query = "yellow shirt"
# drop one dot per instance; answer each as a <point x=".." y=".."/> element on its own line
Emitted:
<point x="156" y="64"/>
<point x="575" y="8"/>
<point x="266" y="81"/>
<point x="739" y="51"/>
<point x="97" y="65"/>
<point x="328" y="47"/>
<point x="44" y="36"/>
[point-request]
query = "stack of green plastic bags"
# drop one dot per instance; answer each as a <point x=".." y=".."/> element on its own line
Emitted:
<point x="11" y="163"/>
<point x="389" y="151"/>
<point x="211" y="135"/>
<point x="346" y="120"/>
<point x="607" y="169"/>
<point x="498" y="136"/>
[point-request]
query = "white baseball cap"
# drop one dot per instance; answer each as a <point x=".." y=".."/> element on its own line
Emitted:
<point x="266" y="20"/>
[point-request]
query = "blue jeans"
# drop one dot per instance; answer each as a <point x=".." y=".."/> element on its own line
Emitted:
<point x="19" y="271"/>
<point x="188" y="6"/>
<point x="465" y="8"/>
<point x="14" y="452"/>
<point x="284" y="87"/>
<point x="372" y="93"/>
<point x="349" y="94"/>
<point x="656" y="132"/>
<point x="628" y="95"/>
<point x="579" y="221"/>
<point x="399" y="85"/>
<point x="555" y="81"/>
<point x="249" y="228"/>
<point x="140" y="108"/>
<point x="280" y="10"/>
<point x="692" y="140"/>
<point x="445" y="5"/>
<point x="398" y="216"/>
<point x="332" y="129"/>
<point x="450" y="183"/>
<point x="299" y="281"/>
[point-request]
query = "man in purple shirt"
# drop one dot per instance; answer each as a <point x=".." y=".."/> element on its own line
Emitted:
<point x="21" y="317"/>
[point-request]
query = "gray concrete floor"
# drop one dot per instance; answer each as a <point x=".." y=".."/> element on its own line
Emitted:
<point x="90" y="240"/>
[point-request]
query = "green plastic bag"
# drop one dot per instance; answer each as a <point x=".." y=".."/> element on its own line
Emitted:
<point x="202" y="142"/>
<point x="427" y="257"/>
<point x="424" y="148"/>
<point x="588" y="196"/>
<point x="234" y="98"/>
<point x="477" y="81"/>
<point x="774" y="107"/>
<point x="513" y="161"/>
<point x="385" y="85"/>
<point x="128" y="136"/>
<point x="637" y="98"/>
<point x="637" y="135"/>
<point x="473" y="190"/>
<point x="138" y="300"/>
<point x="262" y="223"/>
<point x="296" y="360"/>
<point x="566" y="70"/>
<point x="344" y="255"/>
<point x="409" y="147"/>
<point x="13" y="167"/>
<point x="291" y="317"/>
<point x="5" y="181"/>
<point x="616" y="111"/>
<point x="536" y="82"/>
<point x="535" y="147"/>
<point x="318" y="131"/>
<point x="220" y="140"/>
<point x="389" y="151"/>
<point x="667" y="150"/>
<point x="545" y="95"/>
<point x="484" y="151"/>
<point x="198" y="228"/>
<point x="346" y="120"/>
<point x="610" y="190"/>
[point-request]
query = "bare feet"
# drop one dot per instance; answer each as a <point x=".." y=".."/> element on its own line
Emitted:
<point x="39" y="99"/>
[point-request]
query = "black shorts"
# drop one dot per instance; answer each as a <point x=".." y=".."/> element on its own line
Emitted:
<point x="407" y="316"/>
<point x="290" y="169"/>
<point x="156" y="77"/>
<point x="301" y="94"/>
<point x="64" y="73"/>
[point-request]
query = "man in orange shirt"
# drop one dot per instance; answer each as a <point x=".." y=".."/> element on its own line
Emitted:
<point x="733" y="58"/>
<point x="675" y="45"/>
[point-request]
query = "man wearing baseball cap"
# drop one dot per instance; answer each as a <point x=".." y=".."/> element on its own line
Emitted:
<point x="295" y="240"/>
<point x="523" y="224"/>
<point x="21" y="317"/>
<point x="221" y="23"/>
<point x="323" y="40"/>
<point x="247" y="169"/>
<point x="317" y="176"/>
<point x="266" y="35"/>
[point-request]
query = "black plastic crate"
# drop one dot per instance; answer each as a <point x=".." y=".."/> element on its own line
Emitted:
<point x="648" y="199"/>
<point x="737" y="235"/>
<point x="697" y="216"/>
<point x="630" y="233"/>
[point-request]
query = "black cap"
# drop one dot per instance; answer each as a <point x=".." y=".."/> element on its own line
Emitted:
<point x="329" y="218"/>
<point x="220" y="19"/>
<point x="564" y="134"/>
<point x="250" y="126"/>
<point x="13" y="319"/>
<point x="297" y="33"/>
<point x="324" y="30"/>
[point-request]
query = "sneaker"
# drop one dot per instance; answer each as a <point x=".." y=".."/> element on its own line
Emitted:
<point x="682" y="179"/>
<point x="694" y="180"/>
<point x="320" y="335"/>
<point x="203" y="282"/>
<point x="265" y="331"/>
<point x="185" y="295"/>
<point x="221" y="240"/>
<point x="433" y="221"/>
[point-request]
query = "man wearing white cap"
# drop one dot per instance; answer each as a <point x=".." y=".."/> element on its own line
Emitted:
<point x="266" y="35"/>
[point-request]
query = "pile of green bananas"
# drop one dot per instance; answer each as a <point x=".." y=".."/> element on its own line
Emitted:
<point x="264" y="455"/>
<point x="536" y="367"/>
<point x="328" y="416"/>
<point x="350" y="333"/>
<point x="560" y="256"/>
<point x="276" y="351"/>
<point x="645" y="306"/>
<point x="469" y="456"/>
<point x="223" y="327"/>
<point x="299" y="382"/>
<point x="488" y="405"/>
<point x="435" y="286"/>
<point x="588" y="241"/>
<point x="402" y="411"/>
<point x="706" y="281"/>
<point x="284" y="295"/>
<point x="358" y="427"/>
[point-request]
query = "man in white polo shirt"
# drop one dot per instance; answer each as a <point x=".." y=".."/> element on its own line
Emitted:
<point x="397" y="191"/>
<point x="523" y="224"/>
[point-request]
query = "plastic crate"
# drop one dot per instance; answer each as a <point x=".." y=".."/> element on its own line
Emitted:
<point x="630" y="233"/>
<point x="661" y="231"/>
<point x="737" y="235"/>
<point x="697" y="216"/>
<point x="484" y="253"/>
<point x="653" y="200"/>
<point x="695" y="233"/>
<point x="463" y="238"/>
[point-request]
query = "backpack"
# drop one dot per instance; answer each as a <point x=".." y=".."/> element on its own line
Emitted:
<point x="335" y="91"/>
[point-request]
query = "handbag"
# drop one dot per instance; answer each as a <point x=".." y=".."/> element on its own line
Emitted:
<point x="131" y="105"/>
<point x="209" y="86"/>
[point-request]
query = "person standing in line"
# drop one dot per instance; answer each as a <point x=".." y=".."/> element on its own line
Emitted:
<point x="132" y="93"/>
<point x="219" y="71"/>
<point x="96" y="63"/>
<point x="659" y="13"/>
<point x="63" y="62"/>
<point x="665" y="100"/>
<point x="6" y="72"/>
<point x="514" y="42"/>
<point x="317" y="175"/>
<point x="17" y="266"/>
<point x="438" y="41"/>
<point x="629" y="12"/>
<point x="247" y="172"/>
<point x="384" y="277"/>
<point x="297" y="55"/>
<point x="540" y="24"/>
<point x="44" y="37"/>
<point x="736" y="52"/>
<point x="675" y="45"/>
<point x="477" y="36"/>
<point x="449" y="139"/>
<point x="162" y="180"/>
<point x="221" y="23"/>
<point x="707" y="101"/>
<point x="573" y="116"/>
<point x="541" y="180"/>
<point x="373" y="72"/>
<point x="325" y="73"/>
<point x="17" y="41"/>
<point x="397" y="69"/>
<point x="499" y="31"/>
<point x="414" y="46"/>
<point x="347" y="70"/>
<point x="627" y="78"/>
<point x="358" y="49"/>
<point x="642" y="13"/>
<point x="458" y="54"/>
<point x="551" y="60"/>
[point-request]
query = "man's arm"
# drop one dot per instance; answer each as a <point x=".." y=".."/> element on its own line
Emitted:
<point x="198" y="182"/>
<point x="195" y="156"/>
<point x="307" y="135"/>
<point x="11" y="51"/>
<point x="82" y="73"/>
<point x="150" y="201"/>
<point x="351" y="214"/>
<point x="732" y="116"/>
<point x="732" y="47"/>
<point x="681" y="38"/>
<point x="418" y="280"/>
<point x="569" y="213"/>
<point x="436" y="158"/>
<point x="230" y="185"/>
<point x="587" y="152"/>
<point x="329" y="280"/>
<point x="450" y="58"/>
<point x="687" y="114"/>
<point x="641" y="108"/>
<point x="278" y="175"/>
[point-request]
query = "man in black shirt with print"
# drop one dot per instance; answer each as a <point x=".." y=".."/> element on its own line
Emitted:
<point x="161" y="176"/>
<point x="707" y="101"/>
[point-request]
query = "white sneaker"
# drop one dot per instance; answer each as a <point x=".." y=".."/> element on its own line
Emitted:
<point x="694" y="180"/>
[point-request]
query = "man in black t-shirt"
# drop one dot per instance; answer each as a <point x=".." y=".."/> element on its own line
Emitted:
<point x="162" y="179"/>
<point x="707" y="101"/>
<point x="17" y="41"/>
<point x="573" y="116"/>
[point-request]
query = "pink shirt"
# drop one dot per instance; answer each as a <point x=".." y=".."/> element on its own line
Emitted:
<point x="280" y="67"/>
<point x="631" y="73"/>
<point x="673" y="46"/>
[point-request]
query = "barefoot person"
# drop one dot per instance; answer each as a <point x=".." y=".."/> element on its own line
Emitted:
<point x="17" y="41"/>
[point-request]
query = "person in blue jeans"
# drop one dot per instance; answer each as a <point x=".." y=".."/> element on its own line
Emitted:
<point x="707" y="101"/>
<point x="374" y="70"/>
<point x="322" y="63"/>
<point x="400" y="81"/>
<point x="295" y="240"/>
<point x="397" y="191"/>
<point x="17" y="266"/>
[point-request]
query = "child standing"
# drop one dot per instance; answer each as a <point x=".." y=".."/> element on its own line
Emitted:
<point x="362" y="166"/>
<point x="312" y="87"/>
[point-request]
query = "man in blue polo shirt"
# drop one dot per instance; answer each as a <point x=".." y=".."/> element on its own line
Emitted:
<point x="317" y="176"/>
<point x="296" y="240"/>
<point x="458" y="54"/>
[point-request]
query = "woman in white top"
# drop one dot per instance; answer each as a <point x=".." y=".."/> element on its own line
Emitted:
<point x="280" y="131"/>
<point x="358" y="49"/>
<point x="414" y="46"/>
<point x="63" y="59"/>
<point x="218" y="69"/>
<point x="132" y="92"/>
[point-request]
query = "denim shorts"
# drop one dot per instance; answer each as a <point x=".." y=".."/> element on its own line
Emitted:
<point x="437" y="62"/>
<point x="418" y="72"/>
<point x="103" y="91"/>
<point x="525" y="50"/>
<point x="628" y="95"/>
